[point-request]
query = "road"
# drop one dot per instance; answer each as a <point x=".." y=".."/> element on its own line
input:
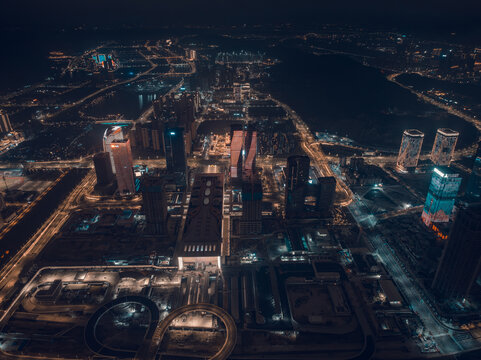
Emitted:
<point x="442" y="335"/>
<point x="311" y="147"/>
<point x="449" y="109"/>
<point x="10" y="272"/>
<point x="230" y="327"/>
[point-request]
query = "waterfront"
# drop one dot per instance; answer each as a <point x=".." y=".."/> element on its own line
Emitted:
<point x="339" y="95"/>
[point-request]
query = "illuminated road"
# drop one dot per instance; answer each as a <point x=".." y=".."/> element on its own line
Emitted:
<point x="163" y="326"/>
<point x="440" y="333"/>
<point x="449" y="109"/>
<point x="11" y="271"/>
<point x="315" y="153"/>
<point x="31" y="206"/>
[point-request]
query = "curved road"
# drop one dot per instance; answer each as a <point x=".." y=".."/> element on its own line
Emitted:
<point x="163" y="326"/>
<point x="99" y="348"/>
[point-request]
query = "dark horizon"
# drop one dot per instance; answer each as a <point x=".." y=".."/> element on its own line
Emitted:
<point x="427" y="16"/>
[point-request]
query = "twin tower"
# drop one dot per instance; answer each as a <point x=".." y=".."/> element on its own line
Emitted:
<point x="412" y="141"/>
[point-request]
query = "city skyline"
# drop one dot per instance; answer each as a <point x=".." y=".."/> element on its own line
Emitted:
<point x="258" y="186"/>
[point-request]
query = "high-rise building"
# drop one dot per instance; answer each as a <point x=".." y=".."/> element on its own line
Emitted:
<point x="174" y="149"/>
<point x="441" y="196"/>
<point x="157" y="105"/>
<point x="113" y="133"/>
<point x="461" y="259"/>
<point x="251" y="219"/>
<point x="122" y="155"/>
<point x="154" y="203"/>
<point x="443" y="147"/>
<point x="191" y="54"/>
<point x="326" y="190"/>
<point x="157" y="140"/>
<point x="249" y="152"/>
<point x="410" y="149"/>
<point x="103" y="168"/>
<point x="242" y="92"/>
<point x="236" y="149"/>
<point x="473" y="190"/>
<point x="5" y="126"/>
<point x="144" y="136"/>
<point x="243" y="152"/>
<point x="297" y="176"/>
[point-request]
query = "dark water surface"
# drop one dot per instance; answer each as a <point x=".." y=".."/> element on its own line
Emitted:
<point x="337" y="94"/>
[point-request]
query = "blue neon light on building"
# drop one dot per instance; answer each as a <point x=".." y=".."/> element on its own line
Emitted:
<point x="441" y="196"/>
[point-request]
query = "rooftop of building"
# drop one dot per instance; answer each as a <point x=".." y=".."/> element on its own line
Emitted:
<point x="203" y="226"/>
<point x="448" y="132"/>
<point x="113" y="130"/>
<point x="445" y="171"/>
<point x="120" y="141"/>
<point x="414" y="132"/>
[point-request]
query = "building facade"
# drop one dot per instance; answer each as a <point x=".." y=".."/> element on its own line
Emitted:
<point x="297" y="176"/>
<point x="473" y="190"/>
<point x="326" y="191"/>
<point x="410" y="149"/>
<point x="175" y="150"/>
<point x="236" y="148"/>
<point x="250" y="153"/>
<point x="103" y="168"/>
<point x="154" y="203"/>
<point x="122" y="155"/>
<point x="443" y="147"/>
<point x="113" y="133"/>
<point x="461" y="259"/>
<point x="5" y="126"/>
<point x="441" y="196"/>
<point x="251" y="219"/>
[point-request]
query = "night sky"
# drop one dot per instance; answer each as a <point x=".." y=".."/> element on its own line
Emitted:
<point x="424" y="15"/>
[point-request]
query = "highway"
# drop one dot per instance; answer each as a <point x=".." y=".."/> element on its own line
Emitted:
<point x="11" y="271"/>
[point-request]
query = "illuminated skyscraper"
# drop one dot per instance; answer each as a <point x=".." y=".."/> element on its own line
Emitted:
<point x="297" y="176"/>
<point x="411" y="144"/>
<point x="251" y="219"/>
<point x="113" y="133"/>
<point x="190" y="54"/>
<point x="103" y="168"/>
<point x="443" y="147"/>
<point x="473" y="190"/>
<point x="249" y="152"/>
<point x="175" y="150"/>
<point x="154" y="203"/>
<point x="461" y="260"/>
<point x="123" y="164"/>
<point x="5" y="126"/>
<point x="441" y="196"/>
<point x="236" y="149"/>
<point x="243" y="153"/>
